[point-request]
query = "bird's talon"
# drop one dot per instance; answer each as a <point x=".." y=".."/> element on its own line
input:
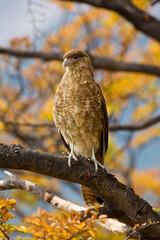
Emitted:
<point x="75" y="158"/>
<point x="69" y="161"/>
<point x="102" y="166"/>
<point x="96" y="163"/>
<point x="96" y="167"/>
<point x="70" y="157"/>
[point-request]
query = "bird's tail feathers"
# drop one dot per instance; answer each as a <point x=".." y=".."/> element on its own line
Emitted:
<point x="90" y="198"/>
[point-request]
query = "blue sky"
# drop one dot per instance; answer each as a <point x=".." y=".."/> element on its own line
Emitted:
<point x="16" y="20"/>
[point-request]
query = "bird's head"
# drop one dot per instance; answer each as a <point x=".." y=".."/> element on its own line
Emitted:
<point x="76" y="59"/>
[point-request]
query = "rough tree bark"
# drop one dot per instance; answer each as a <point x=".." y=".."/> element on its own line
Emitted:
<point x="130" y="208"/>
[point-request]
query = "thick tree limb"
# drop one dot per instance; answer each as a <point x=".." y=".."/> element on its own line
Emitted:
<point x="98" y="62"/>
<point x="112" y="127"/>
<point x="14" y="182"/>
<point x="133" y="209"/>
<point x="141" y="20"/>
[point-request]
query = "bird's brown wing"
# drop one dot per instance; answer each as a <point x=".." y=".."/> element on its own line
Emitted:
<point x="65" y="144"/>
<point x="100" y="154"/>
<point x="104" y="133"/>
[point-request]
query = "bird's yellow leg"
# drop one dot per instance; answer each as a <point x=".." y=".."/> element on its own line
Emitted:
<point x="71" y="155"/>
<point x="96" y="163"/>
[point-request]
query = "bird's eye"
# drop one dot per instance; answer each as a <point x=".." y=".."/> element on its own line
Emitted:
<point x="75" y="57"/>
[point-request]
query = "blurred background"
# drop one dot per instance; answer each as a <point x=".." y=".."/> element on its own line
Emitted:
<point x="27" y="87"/>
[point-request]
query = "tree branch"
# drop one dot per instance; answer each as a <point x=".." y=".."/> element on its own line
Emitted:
<point x="98" y="62"/>
<point x="28" y="124"/>
<point x="123" y="199"/>
<point x="141" y="20"/>
<point x="112" y="127"/>
<point x="153" y="2"/>
<point x="14" y="182"/>
<point x="136" y="127"/>
<point x="112" y="65"/>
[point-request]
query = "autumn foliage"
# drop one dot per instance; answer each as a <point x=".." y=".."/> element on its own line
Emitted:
<point x="5" y="215"/>
<point x="27" y="87"/>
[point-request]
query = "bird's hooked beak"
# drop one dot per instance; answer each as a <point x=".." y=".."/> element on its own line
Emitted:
<point x="66" y="62"/>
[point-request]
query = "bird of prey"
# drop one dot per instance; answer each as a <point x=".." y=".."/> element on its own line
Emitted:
<point x="80" y="114"/>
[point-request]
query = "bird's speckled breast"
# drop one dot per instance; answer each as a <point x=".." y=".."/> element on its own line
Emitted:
<point x="78" y="115"/>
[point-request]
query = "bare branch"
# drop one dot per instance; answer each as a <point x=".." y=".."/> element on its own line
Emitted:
<point x="130" y="207"/>
<point x="153" y="2"/>
<point x="112" y="127"/>
<point x="141" y="20"/>
<point x="4" y="233"/>
<point x="112" y="65"/>
<point x="135" y="127"/>
<point x="32" y="54"/>
<point x="98" y="62"/>
<point x="27" y="124"/>
<point x="14" y="182"/>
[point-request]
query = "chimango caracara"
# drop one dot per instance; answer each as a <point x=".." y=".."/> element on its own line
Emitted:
<point x="80" y="114"/>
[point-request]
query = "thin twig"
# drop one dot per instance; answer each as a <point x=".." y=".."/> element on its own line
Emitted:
<point x="139" y="229"/>
<point x="77" y="233"/>
<point x="4" y="233"/>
